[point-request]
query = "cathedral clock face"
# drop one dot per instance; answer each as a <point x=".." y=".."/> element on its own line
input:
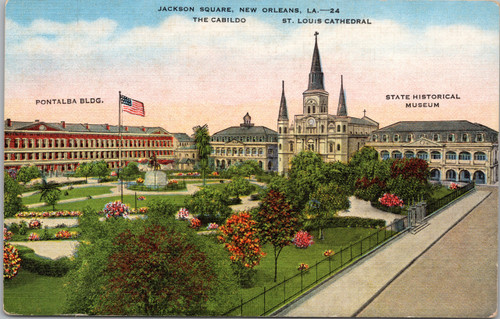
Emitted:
<point x="311" y="122"/>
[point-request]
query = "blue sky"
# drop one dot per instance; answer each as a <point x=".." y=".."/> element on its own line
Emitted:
<point x="129" y="14"/>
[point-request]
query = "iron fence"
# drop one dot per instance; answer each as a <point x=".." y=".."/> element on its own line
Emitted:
<point x="434" y="205"/>
<point x="278" y="295"/>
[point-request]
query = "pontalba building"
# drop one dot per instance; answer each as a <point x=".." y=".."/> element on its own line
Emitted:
<point x="60" y="147"/>
<point x="457" y="151"/>
<point x="333" y="137"/>
<point x="245" y="142"/>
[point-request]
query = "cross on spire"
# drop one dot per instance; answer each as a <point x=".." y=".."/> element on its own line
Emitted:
<point x="364" y="113"/>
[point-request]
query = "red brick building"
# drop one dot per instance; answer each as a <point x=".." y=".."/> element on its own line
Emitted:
<point x="60" y="147"/>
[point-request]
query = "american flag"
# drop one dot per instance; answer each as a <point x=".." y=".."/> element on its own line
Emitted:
<point x="132" y="106"/>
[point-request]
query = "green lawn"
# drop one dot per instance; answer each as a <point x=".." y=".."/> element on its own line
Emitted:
<point x="441" y="192"/>
<point x="74" y="193"/>
<point x="32" y="294"/>
<point x="98" y="203"/>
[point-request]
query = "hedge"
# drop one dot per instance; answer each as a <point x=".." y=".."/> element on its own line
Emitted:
<point x="349" y="222"/>
<point x="43" y="266"/>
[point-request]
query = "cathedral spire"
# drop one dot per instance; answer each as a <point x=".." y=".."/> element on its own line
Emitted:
<point x="342" y="108"/>
<point x="316" y="74"/>
<point x="283" y="115"/>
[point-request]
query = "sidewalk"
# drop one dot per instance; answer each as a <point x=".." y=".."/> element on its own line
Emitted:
<point x="346" y="294"/>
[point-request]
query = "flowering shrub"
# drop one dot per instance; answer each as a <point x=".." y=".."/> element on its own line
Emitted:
<point x="303" y="267"/>
<point x="215" y="174"/>
<point x="328" y="253"/>
<point x="116" y="209"/>
<point x="51" y="214"/>
<point x="390" y="200"/>
<point x="454" y="186"/>
<point x="113" y="173"/>
<point x="141" y="198"/>
<point x="302" y="239"/>
<point x="212" y="226"/>
<point x="179" y="174"/>
<point x="64" y="234"/>
<point x="35" y="224"/>
<point x="140" y="210"/>
<point x="183" y="213"/>
<point x="195" y="223"/>
<point x="139" y="180"/>
<point x="143" y="161"/>
<point x="11" y="261"/>
<point x="241" y="240"/>
<point x="33" y="236"/>
<point x="173" y="182"/>
<point x="6" y="234"/>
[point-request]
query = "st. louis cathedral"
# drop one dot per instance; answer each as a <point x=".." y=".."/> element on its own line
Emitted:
<point x="333" y="137"/>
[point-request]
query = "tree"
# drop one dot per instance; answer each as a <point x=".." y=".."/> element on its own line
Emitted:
<point x="160" y="209"/>
<point x="51" y="196"/>
<point x="202" y="142"/>
<point x="12" y="203"/>
<point x="85" y="170"/>
<point x="156" y="272"/>
<point x="277" y="223"/>
<point x="241" y="240"/>
<point x="209" y="203"/>
<point x="305" y="176"/>
<point x="100" y="169"/>
<point x="131" y="171"/>
<point x="239" y="186"/>
<point x="325" y="202"/>
<point x="27" y="173"/>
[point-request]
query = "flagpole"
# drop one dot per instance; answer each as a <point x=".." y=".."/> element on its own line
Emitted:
<point x="120" y="143"/>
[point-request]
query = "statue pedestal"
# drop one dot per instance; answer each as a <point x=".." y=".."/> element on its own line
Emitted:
<point x="155" y="179"/>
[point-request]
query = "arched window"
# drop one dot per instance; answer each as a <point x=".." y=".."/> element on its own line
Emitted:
<point x="479" y="156"/>
<point x="291" y="146"/>
<point x="299" y="129"/>
<point x="451" y="137"/>
<point x="331" y="147"/>
<point x="396" y="138"/>
<point x="451" y="175"/>
<point x="385" y="155"/>
<point x="409" y="154"/>
<point x="284" y="130"/>
<point x="451" y="155"/>
<point x="344" y="128"/>
<point x="279" y="130"/>
<point x="464" y="156"/>
<point x="397" y="154"/>
<point x="322" y="128"/>
<point x="435" y="155"/>
<point x="309" y="109"/>
<point x="338" y="128"/>
<point x="338" y="147"/>
<point x="423" y="155"/>
<point x="279" y="146"/>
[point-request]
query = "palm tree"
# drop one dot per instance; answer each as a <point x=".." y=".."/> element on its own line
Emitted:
<point x="202" y="142"/>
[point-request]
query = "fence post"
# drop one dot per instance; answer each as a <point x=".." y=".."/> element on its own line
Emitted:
<point x="317" y="270"/>
<point x="264" y="300"/>
<point x="284" y="289"/>
<point x="301" y="280"/>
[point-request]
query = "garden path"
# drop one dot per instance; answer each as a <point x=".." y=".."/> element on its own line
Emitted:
<point x="52" y="249"/>
<point x="361" y="208"/>
<point x="349" y="292"/>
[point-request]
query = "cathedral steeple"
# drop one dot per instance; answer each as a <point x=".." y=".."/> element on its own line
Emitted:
<point x="283" y="115"/>
<point x="342" y="108"/>
<point x="316" y="74"/>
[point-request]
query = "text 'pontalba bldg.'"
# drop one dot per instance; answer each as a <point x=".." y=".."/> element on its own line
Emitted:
<point x="333" y="137"/>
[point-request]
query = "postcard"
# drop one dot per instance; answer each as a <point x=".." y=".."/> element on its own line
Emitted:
<point x="251" y="158"/>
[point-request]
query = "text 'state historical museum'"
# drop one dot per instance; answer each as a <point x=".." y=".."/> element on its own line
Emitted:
<point x="457" y="150"/>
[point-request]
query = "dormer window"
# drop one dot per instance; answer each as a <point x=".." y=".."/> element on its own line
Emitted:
<point x="396" y="138"/>
<point x="451" y="137"/>
<point x="465" y="137"/>
<point x="479" y="138"/>
<point x="436" y="138"/>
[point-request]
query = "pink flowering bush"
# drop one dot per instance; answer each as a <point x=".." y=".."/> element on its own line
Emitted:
<point x="34" y="224"/>
<point x="64" y="234"/>
<point x="390" y="200"/>
<point x="454" y="186"/>
<point x="141" y="198"/>
<point x="212" y="226"/>
<point x="116" y="209"/>
<point x="183" y="213"/>
<point x="33" y="236"/>
<point x="303" y="239"/>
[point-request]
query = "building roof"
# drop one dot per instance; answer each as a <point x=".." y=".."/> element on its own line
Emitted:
<point x="283" y="114"/>
<point x="183" y="137"/>
<point x="81" y="127"/>
<point x="435" y="126"/>
<point x="246" y="131"/>
<point x="316" y="74"/>
<point x="342" y="108"/>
